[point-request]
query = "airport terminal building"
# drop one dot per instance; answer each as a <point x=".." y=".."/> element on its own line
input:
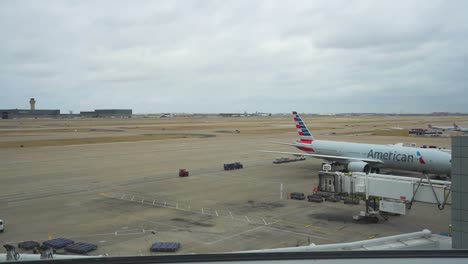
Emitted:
<point x="55" y="113"/>
<point x="107" y="113"/>
<point x="27" y="113"/>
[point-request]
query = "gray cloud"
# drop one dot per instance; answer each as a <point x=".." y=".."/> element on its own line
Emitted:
<point x="219" y="56"/>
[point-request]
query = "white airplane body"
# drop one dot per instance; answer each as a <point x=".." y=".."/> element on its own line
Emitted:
<point x="365" y="157"/>
<point x="440" y="127"/>
<point x="459" y="128"/>
<point x="455" y="127"/>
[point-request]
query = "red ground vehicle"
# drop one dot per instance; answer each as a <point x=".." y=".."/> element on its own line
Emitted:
<point x="183" y="173"/>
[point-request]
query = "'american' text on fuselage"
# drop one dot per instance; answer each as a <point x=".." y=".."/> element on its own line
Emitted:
<point x="390" y="156"/>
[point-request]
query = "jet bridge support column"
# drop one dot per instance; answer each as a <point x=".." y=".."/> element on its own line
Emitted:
<point x="460" y="192"/>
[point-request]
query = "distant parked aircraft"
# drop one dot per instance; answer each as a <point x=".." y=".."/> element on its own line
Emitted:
<point x="363" y="157"/>
<point x="459" y="128"/>
<point x="455" y="127"/>
<point x="443" y="128"/>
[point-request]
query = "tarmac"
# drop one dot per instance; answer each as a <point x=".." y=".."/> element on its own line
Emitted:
<point x="124" y="196"/>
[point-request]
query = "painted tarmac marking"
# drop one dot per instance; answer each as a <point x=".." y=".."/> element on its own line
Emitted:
<point x="297" y="233"/>
<point x="235" y="235"/>
<point x="129" y="232"/>
<point x="203" y="211"/>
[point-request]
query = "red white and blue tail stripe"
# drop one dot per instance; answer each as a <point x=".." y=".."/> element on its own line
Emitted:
<point x="304" y="133"/>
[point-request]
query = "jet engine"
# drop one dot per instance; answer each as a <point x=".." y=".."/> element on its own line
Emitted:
<point x="358" y="166"/>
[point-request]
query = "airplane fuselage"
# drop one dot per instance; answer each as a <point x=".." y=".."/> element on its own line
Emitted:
<point x="392" y="156"/>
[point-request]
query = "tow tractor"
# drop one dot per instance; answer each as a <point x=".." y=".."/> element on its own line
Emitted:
<point x="384" y="194"/>
<point x="233" y="166"/>
<point x="183" y="173"/>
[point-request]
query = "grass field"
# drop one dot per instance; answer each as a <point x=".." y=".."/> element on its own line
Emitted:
<point x="395" y="133"/>
<point x="58" y="132"/>
<point x="94" y="140"/>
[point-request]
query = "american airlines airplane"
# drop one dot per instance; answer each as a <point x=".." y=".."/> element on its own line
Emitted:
<point x="363" y="157"/>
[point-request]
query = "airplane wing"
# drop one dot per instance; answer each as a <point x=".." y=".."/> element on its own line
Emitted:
<point x="326" y="157"/>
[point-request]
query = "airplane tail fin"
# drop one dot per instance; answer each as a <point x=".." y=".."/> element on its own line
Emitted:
<point x="302" y="130"/>
<point x="455" y="126"/>
<point x="429" y="126"/>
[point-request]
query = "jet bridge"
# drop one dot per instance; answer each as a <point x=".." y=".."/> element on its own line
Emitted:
<point x="396" y="194"/>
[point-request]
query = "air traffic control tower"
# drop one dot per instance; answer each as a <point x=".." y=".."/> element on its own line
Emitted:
<point x="32" y="103"/>
<point x="460" y="192"/>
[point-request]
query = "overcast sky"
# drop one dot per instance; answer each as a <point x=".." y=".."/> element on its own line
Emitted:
<point x="231" y="56"/>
